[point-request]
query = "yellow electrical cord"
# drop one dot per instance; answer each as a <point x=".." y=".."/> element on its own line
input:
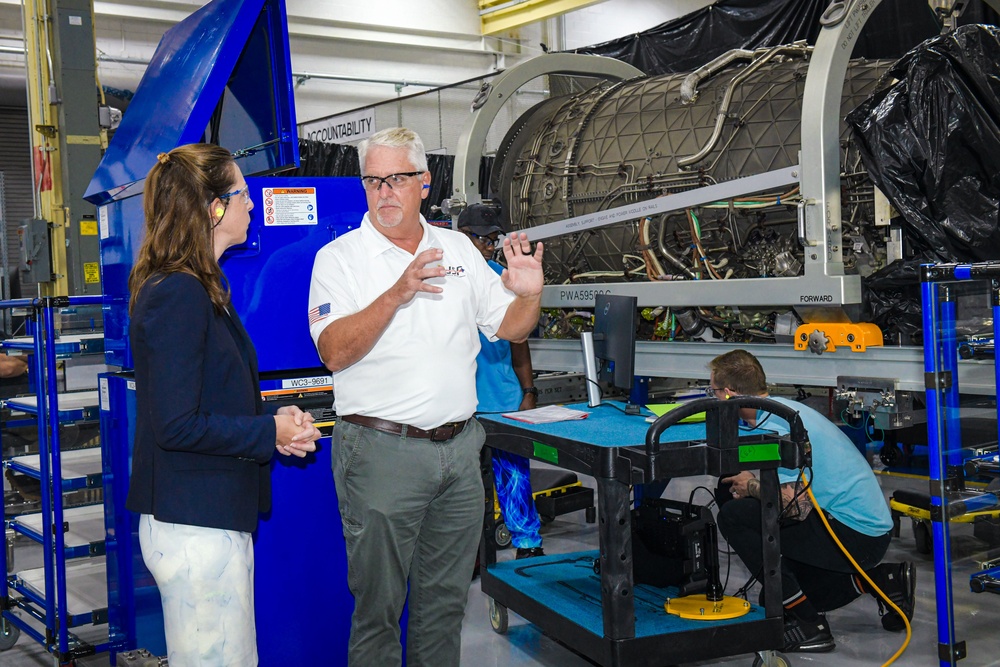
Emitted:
<point x="906" y="621"/>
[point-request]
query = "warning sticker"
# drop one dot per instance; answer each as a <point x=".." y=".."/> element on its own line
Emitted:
<point x="102" y="216"/>
<point x="289" y="206"/>
<point x="91" y="272"/>
<point x="88" y="228"/>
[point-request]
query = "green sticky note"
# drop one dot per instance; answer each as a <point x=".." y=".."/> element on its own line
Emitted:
<point x="546" y="452"/>
<point x="767" y="451"/>
<point x="660" y="409"/>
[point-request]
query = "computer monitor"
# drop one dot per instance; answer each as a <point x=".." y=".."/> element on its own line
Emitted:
<point x="615" y="321"/>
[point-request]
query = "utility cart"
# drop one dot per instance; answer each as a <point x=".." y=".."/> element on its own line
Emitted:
<point x="587" y="600"/>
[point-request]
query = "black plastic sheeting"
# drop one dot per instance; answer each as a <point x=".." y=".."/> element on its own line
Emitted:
<point x="892" y="302"/>
<point x="690" y="41"/>
<point x="317" y="158"/>
<point x="930" y="138"/>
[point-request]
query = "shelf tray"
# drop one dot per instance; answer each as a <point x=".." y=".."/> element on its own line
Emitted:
<point x="85" y="536"/>
<point x="81" y="468"/>
<point x="73" y="406"/>
<point x="86" y="589"/>
<point x="67" y="345"/>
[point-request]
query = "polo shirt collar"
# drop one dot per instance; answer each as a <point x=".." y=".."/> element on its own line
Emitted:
<point x="376" y="242"/>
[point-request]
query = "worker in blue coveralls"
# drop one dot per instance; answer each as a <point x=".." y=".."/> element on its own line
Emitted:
<point x="504" y="383"/>
<point x="815" y="575"/>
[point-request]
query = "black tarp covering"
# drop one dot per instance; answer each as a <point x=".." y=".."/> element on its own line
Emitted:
<point x="892" y="302"/>
<point x="930" y="139"/>
<point x="690" y="41"/>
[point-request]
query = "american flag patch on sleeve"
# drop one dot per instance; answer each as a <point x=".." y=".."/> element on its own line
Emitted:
<point x="318" y="313"/>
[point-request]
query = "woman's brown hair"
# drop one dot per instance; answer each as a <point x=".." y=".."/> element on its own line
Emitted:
<point x="178" y="231"/>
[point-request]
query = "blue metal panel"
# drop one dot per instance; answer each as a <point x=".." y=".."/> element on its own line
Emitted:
<point x="301" y="567"/>
<point x="135" y="616"/>
<point x="121" y="235"/>
<point x="269" y="274"/>
<point x="222" y="75"/>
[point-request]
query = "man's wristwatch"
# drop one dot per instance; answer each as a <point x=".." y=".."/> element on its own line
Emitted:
<point x="530" y="390"/>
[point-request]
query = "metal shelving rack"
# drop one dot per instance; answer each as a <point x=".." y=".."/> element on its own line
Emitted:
<point x="70" y="589"/>
<point x="939" y="295"/>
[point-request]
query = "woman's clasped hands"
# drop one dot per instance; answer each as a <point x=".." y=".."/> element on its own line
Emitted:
<point x="295" y="433"/>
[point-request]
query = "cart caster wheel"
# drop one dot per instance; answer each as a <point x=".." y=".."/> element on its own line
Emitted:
<point x="778" y="659"/>
<point x="922" y="536"/>
<point x="502" y="536"/>
<point x="498" y="617"/>
<point x="591" y="514"/>
<point x="9" y="634"/>
<point x="891" y="455"/>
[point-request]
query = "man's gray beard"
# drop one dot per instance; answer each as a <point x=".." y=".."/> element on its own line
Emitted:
<point x="388" y="225"/>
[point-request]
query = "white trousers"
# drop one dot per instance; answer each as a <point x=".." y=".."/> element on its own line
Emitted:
<point x="205" y="577"/>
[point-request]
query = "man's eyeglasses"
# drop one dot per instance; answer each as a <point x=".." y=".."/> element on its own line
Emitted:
<point x="374" y="183"/>
<point x="485" y="241"/>
<point x="711" y="391"/>
<point x="244" y="192"/>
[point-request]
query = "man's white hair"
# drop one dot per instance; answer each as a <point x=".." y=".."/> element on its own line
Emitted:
<point x="395" y="137"/>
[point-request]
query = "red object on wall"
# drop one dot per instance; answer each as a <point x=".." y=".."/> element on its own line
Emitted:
<point x="43" y="169"/>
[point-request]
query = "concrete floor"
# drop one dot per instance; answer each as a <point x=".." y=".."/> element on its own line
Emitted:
<point x="861" y="641"/>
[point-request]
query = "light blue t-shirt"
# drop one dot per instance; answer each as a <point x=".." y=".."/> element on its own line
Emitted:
<point x="844" y="484"/>
<point x="497" y="386"/>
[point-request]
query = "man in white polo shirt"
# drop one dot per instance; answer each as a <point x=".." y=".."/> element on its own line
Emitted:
<point x="394" y="310"/>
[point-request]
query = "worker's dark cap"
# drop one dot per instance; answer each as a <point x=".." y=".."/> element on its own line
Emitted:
<point x="481" y="219"/>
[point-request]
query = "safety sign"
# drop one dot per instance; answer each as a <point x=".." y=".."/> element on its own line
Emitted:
<point x="289" y="206"/>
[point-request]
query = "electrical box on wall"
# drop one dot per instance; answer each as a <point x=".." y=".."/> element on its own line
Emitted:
<point x="36" y="251"/>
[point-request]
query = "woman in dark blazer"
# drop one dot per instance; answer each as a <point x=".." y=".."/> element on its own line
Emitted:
<point x="203" y="437"/>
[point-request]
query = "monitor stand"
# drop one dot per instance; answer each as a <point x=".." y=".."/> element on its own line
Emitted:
<point x="590" y="369"/>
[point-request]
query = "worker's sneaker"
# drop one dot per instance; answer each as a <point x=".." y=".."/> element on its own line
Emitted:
<point x="529" y="552"/>
<point x="899" y="582"/>
<point x="808" y="637"/>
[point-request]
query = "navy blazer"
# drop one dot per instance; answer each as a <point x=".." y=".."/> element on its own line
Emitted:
<point x="203" y="437"/>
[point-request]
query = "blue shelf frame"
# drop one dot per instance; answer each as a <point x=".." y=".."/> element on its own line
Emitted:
<point x="50" y="607"/>
<point x="938" y="301"/>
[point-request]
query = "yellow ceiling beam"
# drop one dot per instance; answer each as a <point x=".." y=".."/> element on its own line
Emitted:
<point x="498" y="15"/>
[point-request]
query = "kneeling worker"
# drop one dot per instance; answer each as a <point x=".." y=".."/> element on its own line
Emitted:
<point x="815" y="575"/>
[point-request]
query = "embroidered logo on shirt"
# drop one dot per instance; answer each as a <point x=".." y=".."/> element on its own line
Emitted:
<point x="319" y="313"/>
<point x="457" y="271"/>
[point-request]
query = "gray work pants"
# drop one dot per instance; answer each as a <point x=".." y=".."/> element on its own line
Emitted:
<point x="412" y="509"/>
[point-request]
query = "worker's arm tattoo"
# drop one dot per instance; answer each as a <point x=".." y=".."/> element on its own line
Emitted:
<point x="795" y="503"/>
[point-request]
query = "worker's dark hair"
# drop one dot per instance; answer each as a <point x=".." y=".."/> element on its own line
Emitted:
<point x="179" y="192"/>
<point x="740" y="371"/>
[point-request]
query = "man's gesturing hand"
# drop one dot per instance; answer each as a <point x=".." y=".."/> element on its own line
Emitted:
<point x="415" y="276"/>
<point x="523" y="275"/>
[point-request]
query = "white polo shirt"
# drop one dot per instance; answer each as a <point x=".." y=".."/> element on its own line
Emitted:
<point x="422" y="370"/>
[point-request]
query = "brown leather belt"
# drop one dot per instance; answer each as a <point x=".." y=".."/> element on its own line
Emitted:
<point x="442" y="432"/>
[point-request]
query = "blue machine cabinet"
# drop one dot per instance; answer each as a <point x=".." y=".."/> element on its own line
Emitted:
<point x="269" y="274"/>
<point x="223" y="76"/>
<point x="207" y="81"/>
